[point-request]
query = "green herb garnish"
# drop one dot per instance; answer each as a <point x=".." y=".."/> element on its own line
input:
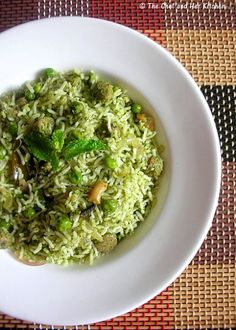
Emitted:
<point x="42" y="148"/>
<point x="58" y="139"/>
<point x="29" y="213"/>
<point x="76" y="147"/>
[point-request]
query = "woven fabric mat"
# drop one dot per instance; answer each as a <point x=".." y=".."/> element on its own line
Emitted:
<point x="202" y="35"/>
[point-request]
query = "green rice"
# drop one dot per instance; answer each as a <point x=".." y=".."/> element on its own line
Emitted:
<point x="34" y="204"/>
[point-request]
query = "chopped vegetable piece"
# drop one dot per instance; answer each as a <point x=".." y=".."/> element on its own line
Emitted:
<point x="16" y="166"/>
<point x="29" y="213"/>
<point x="58" y="139"/>
<point x="42" y="148"/>
<point x="87" y="211"/>
<point x="13" y="129"/>
<point x="5" y="238"/>
<point x="96" y="192"/>
<point x="76" y="147"/>
<point x="7" y="200"/>
<point x="21" y="102"/>
<point x="49" y="72"/>
<point x="102" y="91"/>
<point x="147" y="120"/>
<point x="29" y="95"/>
<point x="108" y="244"/>
<point x="29" y="262"/>
<point x="141" y="117"/>
<point x="45" y="125"/>
<point x="156" y="165"/>
<point x="37" y="88"/>
<point x="150" y="123"/>
<point x="4" y="224"/>
<point x="109" y="205"/>
<point x="136" y="108"/>
<point x="3" y="152"/>
<point x="64" y="223"/>
<point x="24" y="186"/>
<point x="110" y="163"/>
<point x="75" y="176"/>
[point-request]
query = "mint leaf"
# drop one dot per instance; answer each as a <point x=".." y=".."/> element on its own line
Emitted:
<point x="58" y="139"/>
<point x="42" y="148"/>
<point x="76" y="147"/>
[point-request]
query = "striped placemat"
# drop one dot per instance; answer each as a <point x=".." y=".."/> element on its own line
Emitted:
<point x="201" y="34"/>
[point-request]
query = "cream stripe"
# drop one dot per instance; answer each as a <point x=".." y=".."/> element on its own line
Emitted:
<point x="39" y="9"/>
<point x="65" y="6"/>
<point x="87" y="7"/>
<point x="82" y="8"/>
<point x="71" y="12"/>
<point x="60" y="8"/>
<point x="204" y="297"/>
<point x="210" y="56"/>
<point x="76" y="7"/>
<point x="55" y="8"/>
<point x="44" y="8"/>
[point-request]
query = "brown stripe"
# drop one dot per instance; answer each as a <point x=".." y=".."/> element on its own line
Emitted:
<point x="210" y="56"/>
<point x="220" y="245"/>
<point x="15" y="12"/>
<point x="204" y="297"/>
<point x="199" y="14"/>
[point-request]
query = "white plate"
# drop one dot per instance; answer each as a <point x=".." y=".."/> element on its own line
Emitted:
<point x="147" y="263"/>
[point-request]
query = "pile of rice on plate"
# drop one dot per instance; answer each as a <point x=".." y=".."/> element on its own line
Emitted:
<point x="79" y="168"/>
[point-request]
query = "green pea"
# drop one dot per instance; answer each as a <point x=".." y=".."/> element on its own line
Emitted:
<point x="75" y="177"/>
<point x="110" y="163"/>
<point x="64" y="223"/>
<point x="49" y="72"/>
<point x="4" y="224"/>
<point x="77" y="107"/>
<point x="136" y="108"/>
<point x="109" y="205"/>
<point x="29" y="213"/>
<point x="13" y="129"/>
<point x="3" y="153"/>
<point x="37" y="88"/>
<point x="29" y="95"/>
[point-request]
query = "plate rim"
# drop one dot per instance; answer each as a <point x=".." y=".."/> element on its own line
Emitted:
<point x="211" y="126"/>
